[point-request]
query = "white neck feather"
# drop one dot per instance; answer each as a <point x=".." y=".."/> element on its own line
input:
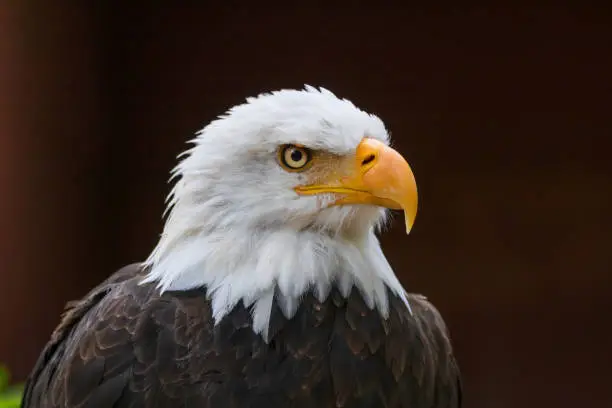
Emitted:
<point x="249" y="266"/>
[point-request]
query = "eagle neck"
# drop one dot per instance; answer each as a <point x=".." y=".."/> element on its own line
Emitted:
<point x="258" y="268"/>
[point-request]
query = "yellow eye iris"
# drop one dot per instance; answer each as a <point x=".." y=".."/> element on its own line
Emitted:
<point x="294" y="158"/>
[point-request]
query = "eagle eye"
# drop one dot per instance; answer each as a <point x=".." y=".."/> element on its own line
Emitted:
<point x="294" y="158"/>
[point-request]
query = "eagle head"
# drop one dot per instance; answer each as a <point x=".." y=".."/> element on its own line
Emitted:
<point x="279" y="196"/>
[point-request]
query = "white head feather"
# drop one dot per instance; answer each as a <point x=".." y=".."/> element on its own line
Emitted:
<point x="237" y="227"/>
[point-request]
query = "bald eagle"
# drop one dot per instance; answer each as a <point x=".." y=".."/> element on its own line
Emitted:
<point x="268" y="287"/>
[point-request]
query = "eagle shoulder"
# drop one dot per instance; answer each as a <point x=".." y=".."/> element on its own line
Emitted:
<point x="45" y="380"/>
<point x="405" y="360"/>
<point x="430" y="343"/>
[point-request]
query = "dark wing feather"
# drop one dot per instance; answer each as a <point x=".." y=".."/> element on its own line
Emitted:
<point x="405" y="361"/>
<point x="47" y="364"/>
<point x="438" y="370"/>
<point x="87" y="361"/>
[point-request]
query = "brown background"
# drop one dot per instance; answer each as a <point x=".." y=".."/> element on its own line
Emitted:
<point x="504" y="114"/>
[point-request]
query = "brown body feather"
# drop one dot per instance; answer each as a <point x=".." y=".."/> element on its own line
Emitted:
<point x="125" y="345"/>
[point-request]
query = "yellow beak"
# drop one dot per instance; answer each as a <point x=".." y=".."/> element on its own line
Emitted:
<point x="375" y="175"/>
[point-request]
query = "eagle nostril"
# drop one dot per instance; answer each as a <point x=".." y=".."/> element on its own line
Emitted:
<point x="369" y="159"/>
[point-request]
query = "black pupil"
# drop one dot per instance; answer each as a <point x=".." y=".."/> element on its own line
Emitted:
<point x="296" y="155"/>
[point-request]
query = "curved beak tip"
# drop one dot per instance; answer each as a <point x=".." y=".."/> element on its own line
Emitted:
<point x="409" y="223"/>
<point x="408" y="226"/>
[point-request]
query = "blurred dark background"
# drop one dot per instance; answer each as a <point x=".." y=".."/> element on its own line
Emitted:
<point x="504" y="114"/>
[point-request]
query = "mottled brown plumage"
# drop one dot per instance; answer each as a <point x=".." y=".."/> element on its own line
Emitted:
<point x="125" y="345"/>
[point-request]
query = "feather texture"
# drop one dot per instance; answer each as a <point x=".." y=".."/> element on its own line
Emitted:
<point x="127" y="345"/>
